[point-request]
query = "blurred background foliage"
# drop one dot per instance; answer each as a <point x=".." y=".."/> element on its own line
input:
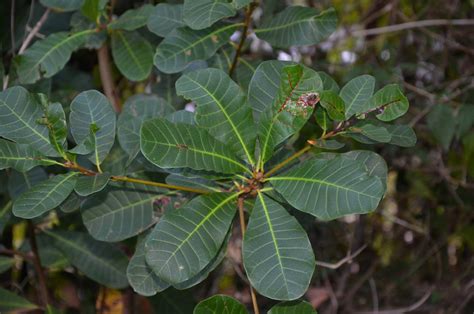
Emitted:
<point x="418" y="245"/>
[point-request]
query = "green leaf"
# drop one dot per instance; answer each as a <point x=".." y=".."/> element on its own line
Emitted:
<point x="442" y="123"/>
<point x="329" y="189"/>
<point x="91" y="108"/>
<point x="87" y="185"/>
<point x="49" y="255"/>
<point x="293" y="307"/>
<point x="322" y="118"/>
<point x="48" y="56"/>
<point x="221" y="304"/>
<point x="132" y="19"/>
<point x="63" y="5"/>
<point x="44" y="196"/>
<point x="102" y="262"/>
<point x="329" y="84"/>
<point x="373" y="132"/>
<point x="5" y="214"/>
<point x="291" y="108"/>
<point x="374" y="163"/>
<point x="202" y="275"/>
<point x="20" y="157"/>
<point x="118" y="213"/>
<point x="402" y="135"/>
<point x="184" y="45"/>
<point x="19" y="116"/>
<point x="132" y="54"/>
<point x="182" y="116"/>
<point x="20" y="182"/>
<point x="140" y="275"/>
<point x="221" y="109"/>
<point x="199" y="14"/>
<point x="185" y="240"/>
<point x="327" y="144"/>
<point x="137" y="109"/>
<point x="389" y="103"/>
<point x="265" y="84"/>
<point x="71" y="203"/>
<point x="179" y="145"/>
<point x="55" y="120"/>
<point x="10" y="302"/>
<point x="6" y="263"/>
<point x="173" y="301"/>
<point x="79" y="23"/>
<point x="356" y="94"/>
<point x="164" y="18"/>
<point x="92" y="9"/>
<point x="333" y="104"/>
<point x="239" y="4"/>
<point x="277" y="254"/>
<point x="298" y="26"/>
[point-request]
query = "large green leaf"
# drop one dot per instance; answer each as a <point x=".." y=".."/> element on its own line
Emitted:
<point x="193" y="182"/>
<point x="221" y="304"/>
<point x="199" y="14"/>
<point x="44" y="196"/>
<point x="93" y="8"/>
<point x="11" y="302"/>
<point x="356" y="94"/>
<point x="265" y="84"/>
<point x="184" y="45"/>
<point x="221" y="109"/>
<point x="48" y="56"/>
<point x="19" y="116"/>
<point x="389" y="103"/>
<point x="202" y="275"/>
<point x="20" y="157"/>
<point x="277" y="254"/>
<point x="164" y="18"/>
<point x="100" y="261"/>
<point x="20" y="182"/>
<point x="137" y="109"/>
<point x="179" y="145"/>
<point x="291" y="107"/>
<point x="118" y="213"/>
<point x="298" y="26"/>
<point x="329" y="189"/>
<point x="63" y="5"/>
<point x="132" y="19"/>
<point x="374" y="163"/>
<point x="185" y="240"/>
<point x="87" y="185"/>
<point x="92" y="109"/>
<point x="293" y="307"/>
<point x="140" y="275"/>
<point x="132" y="54"/>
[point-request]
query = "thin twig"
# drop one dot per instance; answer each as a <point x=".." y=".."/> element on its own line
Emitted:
<point x="240" y="205"/>
<point x="106" y="77"/>
<point x="12" y="26"/>
<point x="410" y="25"/>
<point x="347" y="259"/>
<point x="248" y="20"/>
<point x="34" y="31"/>
<point x="11" y="252"/>
<point x="43" y="289"/>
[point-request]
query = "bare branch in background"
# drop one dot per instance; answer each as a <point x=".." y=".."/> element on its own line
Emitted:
<point x="346" y="259"/>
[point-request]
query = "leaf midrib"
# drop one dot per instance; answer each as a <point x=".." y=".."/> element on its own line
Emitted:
<point x="312" y="180"/>
<point x="202" y="152"/>
<point x="197" y="227"/>
<point x="234" y="128"/>
<point x="274" y="240"/>
<point x="130" y="51"/>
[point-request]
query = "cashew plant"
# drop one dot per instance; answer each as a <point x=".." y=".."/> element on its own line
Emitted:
<point x="179" y="181"/>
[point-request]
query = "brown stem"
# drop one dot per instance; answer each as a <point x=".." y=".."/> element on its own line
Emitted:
<point x="34" y="31"/>
<point x="11" y="252"/>
<point x="238" y="52"/>
<point x="240" y="205"/>
<point x="43" y="289"/>
<point x="105" y="69"/>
